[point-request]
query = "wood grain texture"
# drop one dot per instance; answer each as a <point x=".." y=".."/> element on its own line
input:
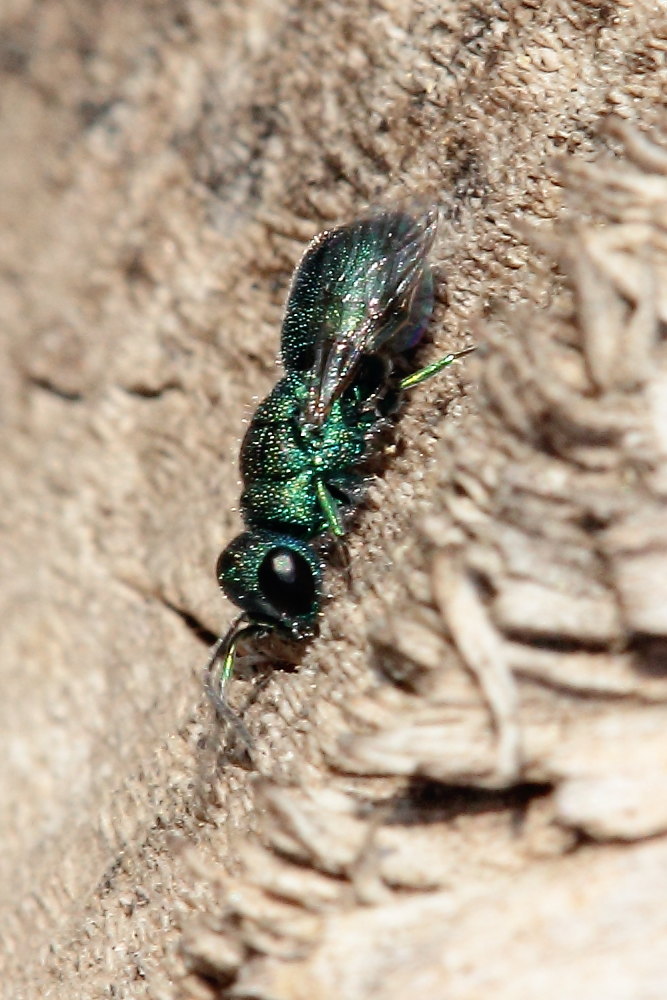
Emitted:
<point x="452" y="791"/>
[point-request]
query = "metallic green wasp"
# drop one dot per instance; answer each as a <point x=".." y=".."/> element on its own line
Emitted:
<point x="360" y="297"/>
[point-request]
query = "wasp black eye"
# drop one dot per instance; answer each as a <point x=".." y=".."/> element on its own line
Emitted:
<point x="286" y="581"/>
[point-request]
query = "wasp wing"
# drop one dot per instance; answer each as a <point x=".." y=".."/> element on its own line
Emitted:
<point x="360" y="289"/>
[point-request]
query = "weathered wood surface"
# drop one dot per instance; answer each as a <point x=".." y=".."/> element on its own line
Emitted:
<point x="461" y="790"/>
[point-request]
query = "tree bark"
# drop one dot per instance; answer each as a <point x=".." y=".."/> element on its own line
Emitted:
<point x="460" y="789"/>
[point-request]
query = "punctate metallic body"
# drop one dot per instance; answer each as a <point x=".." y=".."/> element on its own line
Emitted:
<point x="360" y="298"/>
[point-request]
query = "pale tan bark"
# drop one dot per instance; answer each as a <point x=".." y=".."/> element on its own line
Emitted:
<point x="460" y="791"/>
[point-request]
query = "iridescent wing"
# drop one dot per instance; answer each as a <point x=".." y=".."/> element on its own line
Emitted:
<point x="359" y="290"/>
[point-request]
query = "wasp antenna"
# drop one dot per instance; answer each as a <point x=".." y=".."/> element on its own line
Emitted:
<point x="217" y="677"/>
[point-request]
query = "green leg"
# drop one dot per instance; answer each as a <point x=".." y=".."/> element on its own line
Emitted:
<point x="329" y="509"/>
<point x="425" y="373"/>
<point x="335" y="525"/>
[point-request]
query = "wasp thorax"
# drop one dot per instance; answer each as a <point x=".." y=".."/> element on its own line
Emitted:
<point x="274" y="578"/>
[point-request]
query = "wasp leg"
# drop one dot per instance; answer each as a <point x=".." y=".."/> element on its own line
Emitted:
<point x="329" y="509"/>
<point x="425" y="373"/>
<point x="335" y="524"/>
<point x="344" y="554"/>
